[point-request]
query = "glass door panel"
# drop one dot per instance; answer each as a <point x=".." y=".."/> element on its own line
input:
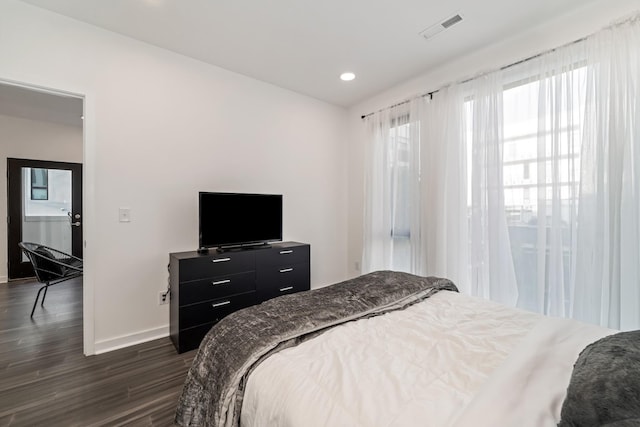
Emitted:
<point x="46" y="198"/>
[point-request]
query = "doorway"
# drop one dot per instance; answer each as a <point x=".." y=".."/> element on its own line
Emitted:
<point x="48" y="124"/>
<point x="44" y="206"/>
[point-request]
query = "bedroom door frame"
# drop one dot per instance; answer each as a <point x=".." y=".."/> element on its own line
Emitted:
<point x="89" y="157"/>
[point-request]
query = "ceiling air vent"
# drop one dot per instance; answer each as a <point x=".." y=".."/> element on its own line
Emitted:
<point x="451" y="21"/>
<point x="436" y="29"/>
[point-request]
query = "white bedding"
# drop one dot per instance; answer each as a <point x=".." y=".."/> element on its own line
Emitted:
<point x="452" y="360"/>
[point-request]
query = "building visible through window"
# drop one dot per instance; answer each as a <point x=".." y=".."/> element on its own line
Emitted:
<point x="39" y="184"/>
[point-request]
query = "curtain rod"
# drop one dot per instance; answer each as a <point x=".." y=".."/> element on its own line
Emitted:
<point x="505" y="67"/>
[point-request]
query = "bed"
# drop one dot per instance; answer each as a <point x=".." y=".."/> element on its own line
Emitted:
<point x="393" y="349"/>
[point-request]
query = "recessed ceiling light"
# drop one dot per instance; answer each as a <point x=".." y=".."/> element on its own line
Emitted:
<point x="347" y="77"/>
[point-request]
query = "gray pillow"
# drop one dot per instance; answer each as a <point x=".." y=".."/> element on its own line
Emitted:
<point x="605" y="384"/>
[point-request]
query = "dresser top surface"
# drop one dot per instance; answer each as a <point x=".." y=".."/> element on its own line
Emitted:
<point x="213" y="252"/>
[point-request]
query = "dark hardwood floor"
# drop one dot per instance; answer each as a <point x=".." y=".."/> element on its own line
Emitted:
<point x="45" y="380"/>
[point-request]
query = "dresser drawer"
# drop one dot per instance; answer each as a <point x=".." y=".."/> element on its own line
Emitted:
<point x="213" y="310"/>
<point x="189" y="339"/>
<point x="287" y="255"/>
<point x="289" y="288"/>
<point x="217" y="287"/>
<point x="275" y="281"/>
<point x="216" y="265"/>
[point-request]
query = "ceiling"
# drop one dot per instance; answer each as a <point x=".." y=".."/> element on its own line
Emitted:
<point x="304" y="45"/>
<point x="30" y="104"/>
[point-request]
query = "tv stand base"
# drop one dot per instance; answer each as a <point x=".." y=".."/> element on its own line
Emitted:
<point x="223" y="249"/>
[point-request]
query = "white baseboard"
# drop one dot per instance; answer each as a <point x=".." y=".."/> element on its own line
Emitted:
<point x="111" y="344"/>
<point x="4" y="279"/>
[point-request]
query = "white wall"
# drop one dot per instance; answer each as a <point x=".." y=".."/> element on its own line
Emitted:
<point x="159" y="127"/>
<point x="36" y="140"/>
<point x="558" y="32"/>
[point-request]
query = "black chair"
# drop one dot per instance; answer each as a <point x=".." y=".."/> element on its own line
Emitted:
<point x="51" y="266"/>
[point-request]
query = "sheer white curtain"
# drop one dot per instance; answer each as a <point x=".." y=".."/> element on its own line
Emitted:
<point x="542" y="114"/>
<point x="444" y="182"/>
<point x="607" y="280"/>
<point x="562" y="181"/>
<point x="492" y="271"/>
<point x="392" y="218"/>
<point x="561" y="96"/>
<point x="522" y="185"/>
<point x="415" y="195"/>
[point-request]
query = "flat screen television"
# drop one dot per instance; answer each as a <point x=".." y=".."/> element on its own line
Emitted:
<point x="236" y="219"/>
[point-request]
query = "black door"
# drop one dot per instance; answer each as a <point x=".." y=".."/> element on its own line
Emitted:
<point x="44" y="205"/>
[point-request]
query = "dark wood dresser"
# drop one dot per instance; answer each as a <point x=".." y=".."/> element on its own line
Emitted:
<point x="207" y="287"/>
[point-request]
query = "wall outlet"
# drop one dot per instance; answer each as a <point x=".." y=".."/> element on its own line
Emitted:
<point x="356" y="266"/>
<point x="163" y="297"/>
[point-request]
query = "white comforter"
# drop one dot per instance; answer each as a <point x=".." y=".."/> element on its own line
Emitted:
<point x="452" y="360"/>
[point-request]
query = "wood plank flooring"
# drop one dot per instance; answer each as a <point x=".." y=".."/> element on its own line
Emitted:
<point x="45" y="380"/>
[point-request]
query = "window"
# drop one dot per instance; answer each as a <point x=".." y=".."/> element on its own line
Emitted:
<point x="46" y="192"/>
<point x="400" y="176"/>
<point x="541" y="139"/>
<point x="541" y="184"/>
<point x="39" y="184"/>
<point x="541" y="159"/>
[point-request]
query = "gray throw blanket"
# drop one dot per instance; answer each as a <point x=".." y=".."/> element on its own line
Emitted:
<point x="605" y="384"/>
<point x="214" y="387"/>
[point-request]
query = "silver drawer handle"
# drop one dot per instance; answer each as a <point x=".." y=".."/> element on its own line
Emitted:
<point x="220" y="304"/>
<point x="221" y="282"/>
<point x="286" y="270"/>
<point x="285" y="252"/>
<point x="288" y="288"/>
<point x="221" y="260"/>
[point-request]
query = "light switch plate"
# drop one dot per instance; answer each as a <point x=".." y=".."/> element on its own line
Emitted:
<point x="124" y="214"/>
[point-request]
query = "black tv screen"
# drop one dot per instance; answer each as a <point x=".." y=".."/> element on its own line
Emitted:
<point x="230" y="219"/>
